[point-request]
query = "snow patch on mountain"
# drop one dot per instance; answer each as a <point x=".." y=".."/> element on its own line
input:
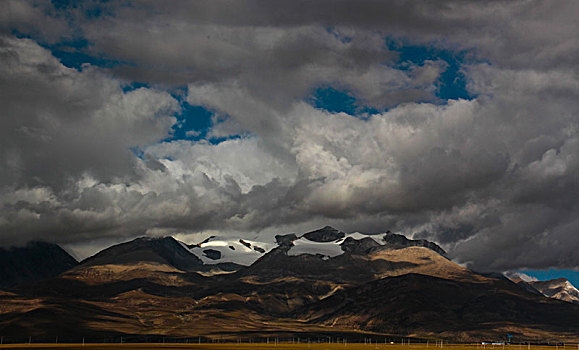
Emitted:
<point x="559" y="288"/>
<point x="358" y="236"/>
<point x="239" y="251"/>
<point x="327" y="242"/>
<point x="305" y="246"/>
<point x="331" y="249"/>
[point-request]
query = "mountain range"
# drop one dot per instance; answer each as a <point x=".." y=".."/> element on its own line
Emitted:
<point x="33" y="262"/>
<point x="321" y="283"/>
<point x="558" y="288"/>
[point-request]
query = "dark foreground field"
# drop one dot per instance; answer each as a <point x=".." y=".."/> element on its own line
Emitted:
<point x="319" y="346"/>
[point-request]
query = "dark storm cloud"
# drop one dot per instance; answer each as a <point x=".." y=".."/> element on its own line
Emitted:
<point x="220" y="35"/>
<point x="494" y="178"/>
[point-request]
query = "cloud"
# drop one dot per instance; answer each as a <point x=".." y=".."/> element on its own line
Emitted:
<point x="33" y="18"/>
<point x="60" y="126"/>
<point x="492" y="178"/>
<point x="59" y="123"/>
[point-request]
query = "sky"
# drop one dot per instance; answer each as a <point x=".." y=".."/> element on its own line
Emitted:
<point x="452" y="121"/>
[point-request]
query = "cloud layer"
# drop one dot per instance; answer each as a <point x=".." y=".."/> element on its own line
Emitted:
<point x="85" y="157"/>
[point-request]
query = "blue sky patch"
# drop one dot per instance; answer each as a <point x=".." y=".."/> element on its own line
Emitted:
<point x="90" y="9"/>
<point x="338" y="101"/>
<point x="75" y="53"/>
<point x="134" y="86"/>
<point x="452" y="82"/>
<point x="544" y="275"/>
<point x="193" y="122"/>
<point x="218" y="140"/>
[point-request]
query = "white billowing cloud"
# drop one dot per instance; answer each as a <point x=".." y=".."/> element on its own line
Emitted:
<point x="474" y="169"/>
<point x="244" y="160"/>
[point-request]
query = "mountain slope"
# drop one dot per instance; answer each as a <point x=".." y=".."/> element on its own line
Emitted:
<point x="425" y="306"/>
<point x="326" y="242"/>
<point x="224" y="250"/>
<point x="33" y="262"/>
<point x="559" y="288"/>
<point x="166" y="251"/>
<point x="165" y="261"/>
<point x="321" y="282"/>
<point x="396" y="241"/>
<point x="330" y="255"/>
<point x="300" y="271"/>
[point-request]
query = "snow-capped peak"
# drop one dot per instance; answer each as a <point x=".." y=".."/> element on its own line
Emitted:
<point x="559" y="288"/>
<point x="215" y="250"/>
<point x="327" y="242"/>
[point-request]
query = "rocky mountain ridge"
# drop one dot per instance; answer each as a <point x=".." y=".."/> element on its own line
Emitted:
<point x="321" y="282"/>
<point x="33" y="262"/>
<point x="559" y="288"/>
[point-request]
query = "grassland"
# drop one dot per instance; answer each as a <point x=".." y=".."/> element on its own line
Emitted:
<point x="286" y="346"/>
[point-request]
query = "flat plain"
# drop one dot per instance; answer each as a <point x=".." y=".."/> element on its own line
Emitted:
<point x="286" y="346"/>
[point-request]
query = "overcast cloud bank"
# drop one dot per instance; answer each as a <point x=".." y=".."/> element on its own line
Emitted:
<point x="85" y="157"/>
